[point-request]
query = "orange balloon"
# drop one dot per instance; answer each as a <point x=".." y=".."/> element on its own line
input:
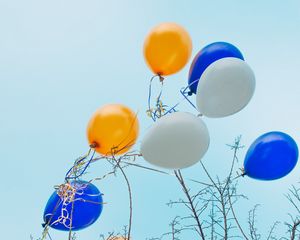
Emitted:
<point x="113" y="129"/>
<point x="167" y="48"/>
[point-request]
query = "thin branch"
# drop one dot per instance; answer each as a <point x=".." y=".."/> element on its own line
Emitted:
<point x="186" y="191"/>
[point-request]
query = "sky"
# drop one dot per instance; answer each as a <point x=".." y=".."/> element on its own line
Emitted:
<point x="61" y="60"/>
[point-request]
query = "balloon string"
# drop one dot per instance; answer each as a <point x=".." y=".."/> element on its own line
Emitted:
<point x="67" y="194"/>
<point x="160" y="109"/>
<point x="76" y="164"/>
<point x="242" y="174"/>
<point x="49" y="235"/>
<point x="79" y="165"/>
<point x="71" y="220"/>
<point x="151" y="112"/>
<point x="87" y="165"/>
<point x="163" y="172"/>
<point x="46" y="225"/>
<point x="133" y="155"/>
<point x="128" y="155"/>
<point x="184" y="91"/>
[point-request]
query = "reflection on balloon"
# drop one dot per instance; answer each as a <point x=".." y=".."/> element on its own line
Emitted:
<point x="176" y="141"/>
<point x="167" y="48"/>
<point x="73" y="206"/>
<point x="225" y="88"/>
<point x="271" y="156"/>
<point x="207" y="56"/>
<point x="113" y="129"/>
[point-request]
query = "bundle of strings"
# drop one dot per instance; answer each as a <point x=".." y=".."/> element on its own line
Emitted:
<point x="80" y="166"/>
<point x="160" y="109"/>
<point x="67" y="194"/>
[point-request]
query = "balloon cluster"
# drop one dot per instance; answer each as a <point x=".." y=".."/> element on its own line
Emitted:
<point x="223" y="84"/>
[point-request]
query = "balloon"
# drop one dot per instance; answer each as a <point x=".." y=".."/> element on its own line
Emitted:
<point x="113" y="129"/>
<point x="225" y="88"/>
<point x="271" y="156"/>
<point x="177" y="140"/>
<point x="86" y="205"/>
<point x="207" y="56"/>
<point x="167" y="48"/>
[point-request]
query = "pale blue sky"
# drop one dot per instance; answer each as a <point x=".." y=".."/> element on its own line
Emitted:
<point x="60" y="60"/>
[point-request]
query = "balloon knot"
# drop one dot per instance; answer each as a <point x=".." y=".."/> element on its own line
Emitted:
<point x="94" y="145"/>
<point x="161" y="78"/>
<point x="243" y="172"/>
<point x="190" y="93"/>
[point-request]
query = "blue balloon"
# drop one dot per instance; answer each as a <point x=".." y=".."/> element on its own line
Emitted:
<point x="87" y="207"/>
<point x="207" y="56"/>
<point x="271" y="156"/>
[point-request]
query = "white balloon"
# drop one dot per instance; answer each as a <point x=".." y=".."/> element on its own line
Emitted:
<point x="177" y="140"/>
<point x="225" y="87"/>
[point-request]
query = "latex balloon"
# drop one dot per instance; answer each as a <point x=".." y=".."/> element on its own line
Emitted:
<point x="177" y="140"/>
<point x="87" y="207"/>
<point x="207" y="56"/>
<point x="113" y="129"/>
<point x="167" y="48"/>
<point x="271" y="156"/>
<point x="225" y="87"/>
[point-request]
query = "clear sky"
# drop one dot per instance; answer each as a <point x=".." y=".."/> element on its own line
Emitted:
<point x="61" y="60"/>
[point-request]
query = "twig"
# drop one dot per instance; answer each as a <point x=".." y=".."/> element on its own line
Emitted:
<point x="192" y="207"/>
<point x="129" y="193"/>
